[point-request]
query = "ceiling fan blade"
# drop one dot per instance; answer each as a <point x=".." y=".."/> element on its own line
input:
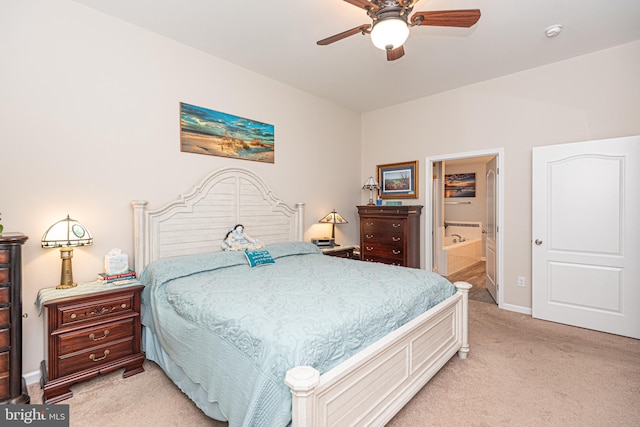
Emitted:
<point x="393" y="54"/>
<point x="447" y="18"/>
<point x="361" y="29"/>
<point x="365" y="4"/>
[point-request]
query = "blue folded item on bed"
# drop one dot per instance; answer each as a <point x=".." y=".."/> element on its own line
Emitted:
<point x="236" y="330"/>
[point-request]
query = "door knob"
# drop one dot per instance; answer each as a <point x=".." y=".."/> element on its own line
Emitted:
<point x="538" y="242"/>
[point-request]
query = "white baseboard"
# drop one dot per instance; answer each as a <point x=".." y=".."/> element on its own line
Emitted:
<point x="516" y="308"/>
<point x="32" y="377"/>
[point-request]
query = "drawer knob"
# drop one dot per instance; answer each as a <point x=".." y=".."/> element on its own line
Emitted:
<point x="93" y="356"/>
<point x="123" y="305"/>
<point x="369" y="248"/>
<point x="397" y="225"/>
<point x="396" y="252"/>
<point x="395" y="239"/>
<point x="369" y="224"/>
<point x="369" y="236"/>
<point x="104" y="335"/>
<point x="73" y="316"/>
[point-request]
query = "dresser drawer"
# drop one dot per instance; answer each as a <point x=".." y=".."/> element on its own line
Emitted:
<point x="5" y="339"/>
<point x="5" y="256"/>
<point x="94" y="358"/>
<point x="96" y="336"/>
<point x="4" y="316"/>
<point x="94" y="310"/>
<point x="4" y="363"/>
<point x="5" y="295"/>
<point x="4" y="275"/>
<point x="388" y="225"/>
<point x="382" y="251"/>
<point x="394" y="239"/>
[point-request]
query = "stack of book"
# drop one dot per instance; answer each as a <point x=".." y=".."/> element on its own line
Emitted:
<point x="127" y="277"/>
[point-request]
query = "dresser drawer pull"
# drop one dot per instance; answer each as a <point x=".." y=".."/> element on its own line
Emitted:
<point x="395" y="239"/>
<point x="93" y="356"/>
<point x="369" y="248"/>
<point x="369" y="224"/>
<point x="369" y="236"/>
<point x="104" y="335"/>
<point x="395" y="252"/>
<point x="73" y="316"/>
<point x="123" y="305"/>
<point x="397" y="225"/>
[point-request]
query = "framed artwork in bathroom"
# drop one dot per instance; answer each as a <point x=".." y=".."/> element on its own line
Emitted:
<point x="398" y="180"/>
<point x="460" y="185"/>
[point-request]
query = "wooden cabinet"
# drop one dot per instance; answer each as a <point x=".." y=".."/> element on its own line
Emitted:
<point x="91" y="334"/>
<point x="390" y="234"/>
<point x="13" y="389"/>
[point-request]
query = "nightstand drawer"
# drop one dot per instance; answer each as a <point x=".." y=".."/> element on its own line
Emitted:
<point x="4" y="275"/>
<point x="94" y="357"/>
<point x="101" y="335"/>
<point x="5" y="256"/>
<point x="103" y="308"/>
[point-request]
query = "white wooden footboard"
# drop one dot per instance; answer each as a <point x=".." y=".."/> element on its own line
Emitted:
<point x="373" y="385"/>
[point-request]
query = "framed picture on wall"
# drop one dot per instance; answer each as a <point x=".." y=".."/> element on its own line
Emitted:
<point x="460" y="185"/>
<point x="398" y="180"/>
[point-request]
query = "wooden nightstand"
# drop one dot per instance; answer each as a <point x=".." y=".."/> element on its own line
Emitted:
<point x="339" y="251"/>
<point x="94" y="332"/>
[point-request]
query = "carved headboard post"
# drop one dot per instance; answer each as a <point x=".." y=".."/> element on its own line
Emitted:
<point x="139" y="235"/>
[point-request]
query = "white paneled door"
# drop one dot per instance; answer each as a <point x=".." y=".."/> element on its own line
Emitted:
<point x="491" y="228"/>
<point x="586" y="235"/>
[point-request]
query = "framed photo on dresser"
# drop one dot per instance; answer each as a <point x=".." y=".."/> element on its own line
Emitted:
<point x="398" y="180"/>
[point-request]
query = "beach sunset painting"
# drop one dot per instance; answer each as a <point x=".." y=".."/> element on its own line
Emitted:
<point x="460" y="185"/>
<point x="204" y="131"/>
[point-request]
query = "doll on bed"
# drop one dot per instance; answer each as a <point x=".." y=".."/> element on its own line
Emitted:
<point x="237" y="240"/>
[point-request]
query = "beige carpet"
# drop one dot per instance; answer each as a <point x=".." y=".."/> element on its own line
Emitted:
<point x="520" y="372"/>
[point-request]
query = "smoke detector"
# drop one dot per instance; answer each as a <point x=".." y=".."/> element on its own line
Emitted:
<point x="553" y="30"/>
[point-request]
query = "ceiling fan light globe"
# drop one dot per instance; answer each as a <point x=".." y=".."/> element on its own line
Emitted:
<point x="389" y="32"/>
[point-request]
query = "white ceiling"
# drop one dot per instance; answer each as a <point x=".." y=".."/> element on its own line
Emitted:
<point x="277" y="38"/>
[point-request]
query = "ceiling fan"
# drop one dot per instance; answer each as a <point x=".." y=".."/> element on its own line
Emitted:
<point x="391" y="22"/>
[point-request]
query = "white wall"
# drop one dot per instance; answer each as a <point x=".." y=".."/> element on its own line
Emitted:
<point x="89" y="120"/>
<point x="594" y="96"/>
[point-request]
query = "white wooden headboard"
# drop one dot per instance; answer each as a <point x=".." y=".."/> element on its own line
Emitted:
<point x="198" y="221"/>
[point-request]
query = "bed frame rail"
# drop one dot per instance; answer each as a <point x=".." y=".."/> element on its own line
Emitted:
<point x="373" y="385"/>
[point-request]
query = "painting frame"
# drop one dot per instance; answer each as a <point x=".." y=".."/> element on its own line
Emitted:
<point x="457" y="185"/>
<point x="398" y="180"/>
<point x="214" y="133"/>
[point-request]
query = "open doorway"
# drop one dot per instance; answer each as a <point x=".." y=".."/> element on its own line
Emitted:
<point x="464" y="228"/>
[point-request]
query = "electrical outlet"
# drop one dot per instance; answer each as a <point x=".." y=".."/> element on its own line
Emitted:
<point x="522" y="281"/>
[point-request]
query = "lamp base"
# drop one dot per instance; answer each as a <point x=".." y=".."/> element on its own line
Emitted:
<point x="66" y="275"/>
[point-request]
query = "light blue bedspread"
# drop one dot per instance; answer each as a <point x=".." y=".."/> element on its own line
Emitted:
<point x="236" y="330"/>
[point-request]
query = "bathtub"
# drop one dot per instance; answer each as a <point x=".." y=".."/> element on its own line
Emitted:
<point x="456" y="255"/>
<point x="460" y="255"/>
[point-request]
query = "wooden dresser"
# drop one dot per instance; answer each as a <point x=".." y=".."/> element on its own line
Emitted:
<point x="13" y="389"/>
<point x="390" y="234"/>
<point x="90" y="334"/>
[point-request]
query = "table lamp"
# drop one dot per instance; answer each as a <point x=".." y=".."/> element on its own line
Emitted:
<point x="333" y="218"/>
<point x="66" y="234"/>
<point x="371" y="185"/>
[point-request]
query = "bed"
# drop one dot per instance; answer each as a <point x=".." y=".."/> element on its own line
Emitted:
<point x="308" y="340"/>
